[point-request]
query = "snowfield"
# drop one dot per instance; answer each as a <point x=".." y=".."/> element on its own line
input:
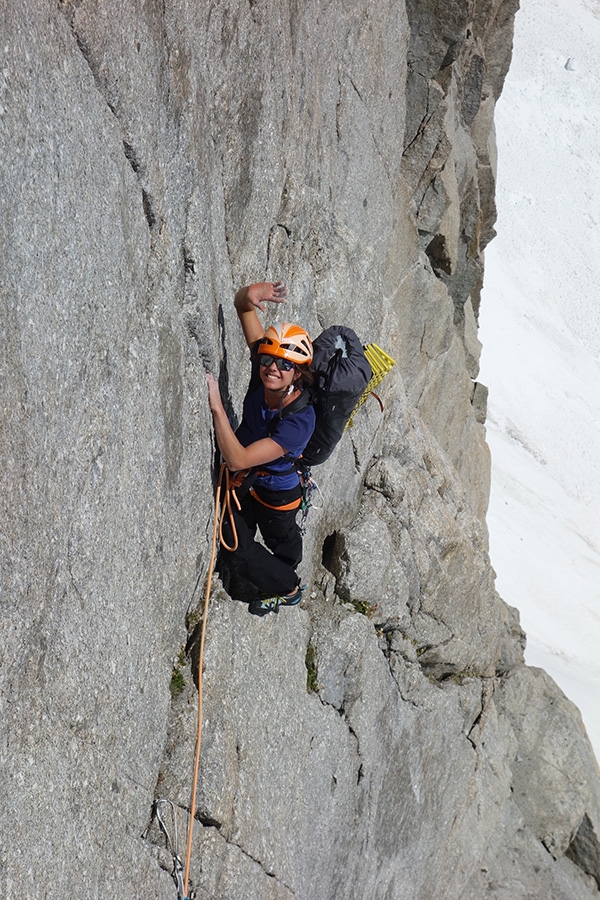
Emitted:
<point x="540" y="328"/>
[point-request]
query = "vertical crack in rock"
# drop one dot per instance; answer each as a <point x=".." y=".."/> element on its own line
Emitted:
<point x="422" y="128"/>
<point x="148" y="207"/>
<point x="356" y="90"/>
<point x="87" y="54"/>
<point x="338" y="108"/>
<point x="406" y="661"/>
<point x="341" y="711"/>
<point x="487" y="693"/>
<point x="131" y="154"/>
<point x="360" y="770"/>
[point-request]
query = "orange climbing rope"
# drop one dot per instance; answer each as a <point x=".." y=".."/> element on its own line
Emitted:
<point x="221" y="511"/>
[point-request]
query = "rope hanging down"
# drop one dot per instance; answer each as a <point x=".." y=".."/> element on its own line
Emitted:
<point x="221" y="511"/>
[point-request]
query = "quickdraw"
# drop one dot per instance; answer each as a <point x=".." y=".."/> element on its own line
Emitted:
<point x="177" y="873"/>
<point x="309" y="489"/>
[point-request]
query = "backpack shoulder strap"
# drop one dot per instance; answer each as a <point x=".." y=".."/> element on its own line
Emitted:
<point x="305" y="399"/>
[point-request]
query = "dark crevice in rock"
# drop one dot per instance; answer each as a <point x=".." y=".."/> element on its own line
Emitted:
<point x="487" y="691"/>
<point x="224" y="369"/>
<point x="341" y="711"/>
<point x="227" y="226"/>
<point x="419" y="132"/>
<point x="85" y="51"/>
<point x="87" y="54"/>
<point x="358" y="93"/>
<point x="287" y="230"/>
<point x="149" y="211"/>
<point x="357" y="455"/>
<point x="338" y="129"/>
<point x="132" y="157"/>
<point x="472" y="89"/>
<point x="584" y="849"/>
<point x="360" y="770"/>
<point x="328" y="552"/>
<point x="255" y="11"/>
<point x="451" y="54"/>
<point x="208" y="821"/>
<point x="439" y="256"/>
<point x="404" y="696"/>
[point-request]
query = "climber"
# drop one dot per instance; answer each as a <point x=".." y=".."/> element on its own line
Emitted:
<point x="264" y="448"/>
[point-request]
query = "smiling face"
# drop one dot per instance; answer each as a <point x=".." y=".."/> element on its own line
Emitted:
<point x="276" y="380"/>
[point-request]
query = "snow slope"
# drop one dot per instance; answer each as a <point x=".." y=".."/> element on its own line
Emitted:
<point x="540" y="328"/>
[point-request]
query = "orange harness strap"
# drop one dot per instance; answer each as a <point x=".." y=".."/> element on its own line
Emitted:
<point x="293" y="505"/>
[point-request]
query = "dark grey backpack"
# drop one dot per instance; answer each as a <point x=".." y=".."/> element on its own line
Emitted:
<point x="341" y="373"/>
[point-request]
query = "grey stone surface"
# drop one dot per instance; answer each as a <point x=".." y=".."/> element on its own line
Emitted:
<point x="384" y="740"/>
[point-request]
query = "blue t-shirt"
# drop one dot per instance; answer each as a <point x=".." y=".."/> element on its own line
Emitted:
<point x="292" y="433"/>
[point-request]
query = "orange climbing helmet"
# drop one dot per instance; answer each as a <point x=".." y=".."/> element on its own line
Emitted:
<point x="288" y="341"/>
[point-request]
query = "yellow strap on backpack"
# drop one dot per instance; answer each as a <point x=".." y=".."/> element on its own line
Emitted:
<point x="380" y="364"/>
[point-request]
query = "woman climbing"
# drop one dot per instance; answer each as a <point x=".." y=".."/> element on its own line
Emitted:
<point x="265" y="445"/>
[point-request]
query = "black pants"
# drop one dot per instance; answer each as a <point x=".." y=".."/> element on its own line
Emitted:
<point x="272" y="571"/>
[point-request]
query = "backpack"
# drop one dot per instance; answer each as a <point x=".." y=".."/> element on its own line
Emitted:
<point x="341" y="372"/>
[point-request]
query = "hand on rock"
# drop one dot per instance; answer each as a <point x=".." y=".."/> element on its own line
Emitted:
<point x="214" y="394"/>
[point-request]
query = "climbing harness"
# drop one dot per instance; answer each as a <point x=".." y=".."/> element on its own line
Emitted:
<point x="172" y="846"/>
<point x="295" y="504"/>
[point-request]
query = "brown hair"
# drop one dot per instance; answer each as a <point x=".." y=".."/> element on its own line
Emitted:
<point x="303" y="376"/>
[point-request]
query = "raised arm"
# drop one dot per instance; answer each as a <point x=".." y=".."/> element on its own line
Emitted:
<point x="252" y="297"/>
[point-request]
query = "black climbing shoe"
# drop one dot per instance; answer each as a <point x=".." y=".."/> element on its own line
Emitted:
<point x="292" y="599"/>
<point x="264" y="607"/>
<point x="266" y="604"/>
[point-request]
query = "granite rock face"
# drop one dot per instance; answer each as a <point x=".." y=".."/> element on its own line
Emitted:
<point x="384" y="739"/>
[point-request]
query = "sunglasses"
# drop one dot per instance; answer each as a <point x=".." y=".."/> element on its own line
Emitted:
<point x="284" y="365"/>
